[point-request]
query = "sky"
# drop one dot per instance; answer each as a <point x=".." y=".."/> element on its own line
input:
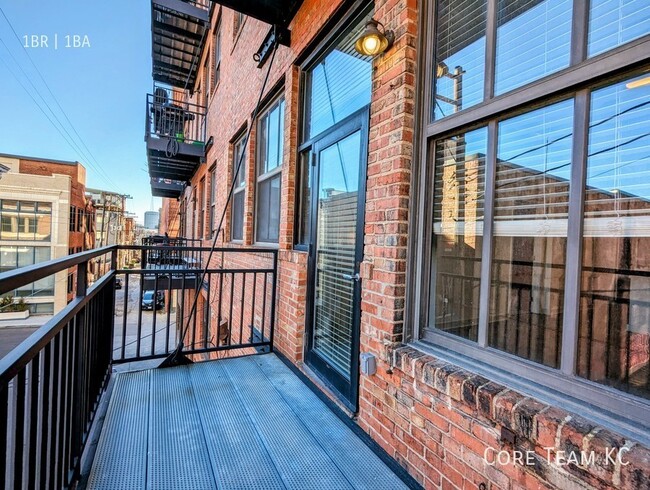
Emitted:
<point x="101" y="88"/>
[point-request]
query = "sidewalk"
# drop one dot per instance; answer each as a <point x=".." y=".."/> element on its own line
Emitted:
<point x="34" y="321"/>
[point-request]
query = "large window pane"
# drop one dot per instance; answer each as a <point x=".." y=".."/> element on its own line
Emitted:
<point x="237" y="225"/>
<point x="533" y="40"/>
<point x="530" y="226"/>
<point x="237" y="206"/>
<point x="615" y="22"/>
<point x="459" y="190"/>
<point x="614" y="333"/>
<point x="460" y="56"/>
<point x="338" y="86"/>
<point x="268" y="210"/>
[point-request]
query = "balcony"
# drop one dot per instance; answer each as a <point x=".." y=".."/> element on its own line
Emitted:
<point x="175" y="137"/>
<point x="178" y="28"/>
<point x="237" y="417"/>
<point x="166" y="188"/>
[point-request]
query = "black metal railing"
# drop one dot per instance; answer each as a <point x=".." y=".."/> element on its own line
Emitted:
<point x="169" y="117"/>
<point x="235" y="310"/>
<point x="167" y="253"/>
<point x="51" y="384"/>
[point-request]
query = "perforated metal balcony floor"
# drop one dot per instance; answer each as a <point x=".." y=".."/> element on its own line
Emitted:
<point x="240" y="423"/>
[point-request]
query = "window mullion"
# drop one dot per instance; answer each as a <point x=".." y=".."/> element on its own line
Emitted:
<point x="579" y="31"/>
<point x="574" y="234"/>
<point x="488" y="214"/>
<point x="490" y="49"/>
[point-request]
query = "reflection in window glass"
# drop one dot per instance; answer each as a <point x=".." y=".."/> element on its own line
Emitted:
<point x="533" y="40"/>
<point x="460" y="56"/>
<point x="530" y="226"/>
<point x="237" y="207"/>
<point x="270" y="152"/>
<point x="459" y="191"/>
<point x="338" y="86"/>
<point x="614" y="332"/>
<point x="615" y="22"/>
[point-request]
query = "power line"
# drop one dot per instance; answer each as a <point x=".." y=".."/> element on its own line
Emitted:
<point x="92" y="158"/>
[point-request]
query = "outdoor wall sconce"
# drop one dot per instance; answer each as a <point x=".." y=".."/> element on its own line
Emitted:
<point x="374" y="41"/>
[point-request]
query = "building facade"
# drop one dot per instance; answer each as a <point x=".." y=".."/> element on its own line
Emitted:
<point x="45" y="215"/>
<point x="467" y="208"/>
<point x="110" y="228"/>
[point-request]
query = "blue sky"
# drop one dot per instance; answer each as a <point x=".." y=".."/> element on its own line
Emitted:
<point x="101" y="88"/>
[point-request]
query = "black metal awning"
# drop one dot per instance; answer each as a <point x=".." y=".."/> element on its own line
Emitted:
<point x="177" y="31"/>
<point x="274" y="12"/>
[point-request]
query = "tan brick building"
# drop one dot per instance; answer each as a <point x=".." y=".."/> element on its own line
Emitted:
<point x="377" y="179"/>
<point x="45" y="215"/>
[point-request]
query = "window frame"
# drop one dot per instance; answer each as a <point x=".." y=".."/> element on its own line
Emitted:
<point x="583" y="75"/>
<point x="261" y="178"/>
<point x="238" y="142"/>
<point x="216" y="55"/>
<point x="212" y="172"/>
<point x="202" y="206"/>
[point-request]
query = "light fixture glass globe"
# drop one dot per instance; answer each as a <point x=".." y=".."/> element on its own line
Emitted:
<point x="373" y="42"/>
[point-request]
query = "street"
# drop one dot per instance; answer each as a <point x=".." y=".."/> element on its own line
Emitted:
<point x="141" y="327"/>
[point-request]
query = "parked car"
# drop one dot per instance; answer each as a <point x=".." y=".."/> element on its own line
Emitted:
<point x="148" y="301"/>
<point x="118" y="283"/>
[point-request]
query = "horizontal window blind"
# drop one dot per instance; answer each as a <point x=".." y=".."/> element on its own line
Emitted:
<point x="615" y="22"/>
<point x="460" y="55"/>
<point x="533" y="40"/>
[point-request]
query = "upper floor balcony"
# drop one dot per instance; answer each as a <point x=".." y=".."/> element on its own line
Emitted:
<point x="178" y="28"/>
<point x="83" y="404"/>
<point x="166" y="187"/>
<point x="175" y="137"/>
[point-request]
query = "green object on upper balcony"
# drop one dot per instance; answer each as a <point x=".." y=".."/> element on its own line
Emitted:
<point x="180" y="137"/>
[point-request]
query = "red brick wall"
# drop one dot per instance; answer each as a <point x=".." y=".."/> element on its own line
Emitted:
<point x="434" y="418"/>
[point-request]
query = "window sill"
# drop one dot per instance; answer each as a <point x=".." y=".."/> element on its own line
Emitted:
<point x="269" y="245"/>
<point x="556" y="391"/>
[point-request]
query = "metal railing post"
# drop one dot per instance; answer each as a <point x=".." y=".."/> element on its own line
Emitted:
<point x="273" y="298"/>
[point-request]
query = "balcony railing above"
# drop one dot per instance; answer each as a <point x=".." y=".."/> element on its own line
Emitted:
<point x="175" y="136"/>
<point x="177" y="31"/>
<point x="166" y="187"/>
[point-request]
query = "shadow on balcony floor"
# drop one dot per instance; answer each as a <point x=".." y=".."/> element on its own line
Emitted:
<point x="238" y="423"/>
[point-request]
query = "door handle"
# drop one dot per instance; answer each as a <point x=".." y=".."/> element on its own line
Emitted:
<point x="351" y="277"/>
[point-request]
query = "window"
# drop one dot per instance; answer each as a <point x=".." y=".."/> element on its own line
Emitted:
<point x="70" y="282"/>
<point x="337" y="85"/>
<point x="13" y="257"/>
<point x="206" y="81"/>
<point x="530" y="228"/>
<point x="201" y="217"/>
<point x="533" y="40"/>
<point x="238" y="23"/>
<point x="270" y="151"/>
<point x="514" y="280"/>
<point x="41" y="308"/>
<point x="615" y="22"/>
<point x="529" y="40"/>
<point x="239" y="193"/>
<point x="25" y="220"/>
<point x="614" y="328"/>
<point x="73" y="218"/>
<point x="213" y="200"/>
<point x="459" y="193"/>
<point x="217" y="54"/>
<point x="460" y="57"/>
